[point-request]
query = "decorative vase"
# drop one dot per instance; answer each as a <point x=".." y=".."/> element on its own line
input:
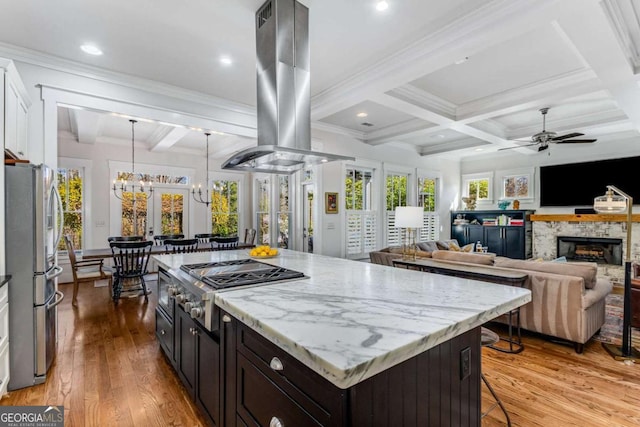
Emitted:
<point x="516" y="204"/>
<point x="504" y="204"/>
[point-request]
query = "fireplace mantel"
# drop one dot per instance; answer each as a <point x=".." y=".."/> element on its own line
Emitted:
<point x="585" y="217"/>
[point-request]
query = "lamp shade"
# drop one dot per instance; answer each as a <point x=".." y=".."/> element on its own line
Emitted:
<point x="610" y="203"/>
<point x="409" y="216"/>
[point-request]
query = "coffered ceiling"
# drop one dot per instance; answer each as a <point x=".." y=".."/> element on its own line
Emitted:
<point x="454" y="78"/>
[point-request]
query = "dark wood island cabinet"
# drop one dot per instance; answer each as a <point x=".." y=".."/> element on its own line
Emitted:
<point x="348" y="344"/>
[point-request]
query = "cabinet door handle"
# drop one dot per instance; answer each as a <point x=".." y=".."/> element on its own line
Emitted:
<point x="226" y="318"/>
<point x="276" y="422"/>
<point x="276" y="364"/>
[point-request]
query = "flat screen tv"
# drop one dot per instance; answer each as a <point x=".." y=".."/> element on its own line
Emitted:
<point x="576" y="184"/>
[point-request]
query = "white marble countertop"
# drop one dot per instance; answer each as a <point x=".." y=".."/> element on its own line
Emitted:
<point x="351" y="320"/>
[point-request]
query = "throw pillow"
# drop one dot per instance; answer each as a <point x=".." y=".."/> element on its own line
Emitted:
<point x="454" y="247"/>
<point x="468" y="248"/>
<point x="429" y="246"/>
<point x="560" y="259"/>
<point x="443" y="246"/>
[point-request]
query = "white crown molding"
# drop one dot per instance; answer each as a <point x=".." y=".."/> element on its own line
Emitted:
<point x="95" y="73"/>
<point x="398" y="129"/>
<point x="11" y="71"/>
<point x="623" y="17"/>
<point x="570" y="124"/>
<point x="461" y="144"/>
<point x="425" y="100"/>
<point x="485" y="17"/>
<point x="534" y="95"/>
<point x="326" y="127"/>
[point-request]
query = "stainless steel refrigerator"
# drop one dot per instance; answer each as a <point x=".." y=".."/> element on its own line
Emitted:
<point x="33" y="224"/>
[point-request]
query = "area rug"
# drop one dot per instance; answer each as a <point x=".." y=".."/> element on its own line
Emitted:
<point x="611" y="331"/>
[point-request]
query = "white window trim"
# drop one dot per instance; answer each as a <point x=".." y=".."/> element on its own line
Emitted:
<point x="87" y="222"/>
<point x="479" y="176"/>
<point x="377" y="201"/>
<point x="528" y="172"/>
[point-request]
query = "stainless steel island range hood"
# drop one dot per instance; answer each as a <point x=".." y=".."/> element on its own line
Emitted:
<point x="284" y="112"/>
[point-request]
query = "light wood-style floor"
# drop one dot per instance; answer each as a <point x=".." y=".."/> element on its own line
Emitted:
<point x="109" y="371"/>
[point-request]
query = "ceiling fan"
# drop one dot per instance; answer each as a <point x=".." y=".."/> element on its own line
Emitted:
<point x="545" y="137"/>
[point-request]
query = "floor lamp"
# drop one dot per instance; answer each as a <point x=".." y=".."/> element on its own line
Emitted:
<point x="409" y="218"/>
<point x="615" y="201"/>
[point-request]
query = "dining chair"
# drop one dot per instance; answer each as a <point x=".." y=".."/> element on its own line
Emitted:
<point x="130" y="260"/>
<point x="125" y="238"/>
<point x="160" y="238"/>
<point x="85" y="271"/>
<point x="206" y="237"/>
<point x="225" y="243"/>
<point x="249" y="236"/>
<point x="181" y="246"/>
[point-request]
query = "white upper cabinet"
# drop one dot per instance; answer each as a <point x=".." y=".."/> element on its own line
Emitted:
<point x="16" y="104"/>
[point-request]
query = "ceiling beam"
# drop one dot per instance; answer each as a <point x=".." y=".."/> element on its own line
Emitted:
<point x="165" y="137"/>
<point x="85" y="125"/>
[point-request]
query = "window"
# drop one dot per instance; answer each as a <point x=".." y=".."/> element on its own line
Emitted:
<point x="396" y="195"/>
<point x="224" y="207"/>
<point x="70" y="187"/>
<point x="479" y="188"/>
<point x="478" y="185"/>
<point x="134" y="214"/>
<point x="361" y="219"/>
<point x="262" y="211"/>
<point x="172" y="213"/>
<point x="427" y="198"/>
<point x="284" y="212"/>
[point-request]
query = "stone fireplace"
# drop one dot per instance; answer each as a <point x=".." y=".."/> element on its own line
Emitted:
<point x="547" y="228"/>
<point x="590" y="249"/>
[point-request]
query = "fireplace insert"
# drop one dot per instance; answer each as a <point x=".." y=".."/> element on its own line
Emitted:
<point x="593" y="249"/>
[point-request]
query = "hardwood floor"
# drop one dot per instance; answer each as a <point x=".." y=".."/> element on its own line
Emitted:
<point x="549" y="385"/>
<point x="109" y="371"/>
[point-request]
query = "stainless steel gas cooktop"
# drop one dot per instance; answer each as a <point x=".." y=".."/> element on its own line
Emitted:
<point x="228" y="274"/>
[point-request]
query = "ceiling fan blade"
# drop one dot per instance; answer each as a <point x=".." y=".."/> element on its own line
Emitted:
<point x="519" y="146"/>
<point x="572" y="141"/>
<point x="567" y="136"/>
<point x="542" y="148"/>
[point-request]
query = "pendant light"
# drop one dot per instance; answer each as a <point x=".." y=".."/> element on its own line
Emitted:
<point x="207" y="198"/>
<point x="124" y="186"/>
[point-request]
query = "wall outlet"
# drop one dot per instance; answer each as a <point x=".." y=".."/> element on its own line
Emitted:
<point x="465" y="363"/>
<point x="100" y="223"/>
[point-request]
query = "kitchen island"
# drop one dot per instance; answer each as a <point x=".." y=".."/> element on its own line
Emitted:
<point x="359" y="342"/>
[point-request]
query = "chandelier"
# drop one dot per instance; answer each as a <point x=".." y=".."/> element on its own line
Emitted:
<point x="197" y="195"/>
<point x="124" y="186"/>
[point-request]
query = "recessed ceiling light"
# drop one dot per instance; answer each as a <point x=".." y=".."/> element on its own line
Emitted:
<point x="225" y="60"/>
<point x="479" y="149"/>
<point x="462" y="60"/>
<point x="382" y="5"/>
<point x="362" y="114"/>
<point x="438" y="135"/>
<point x="91" y="49"/>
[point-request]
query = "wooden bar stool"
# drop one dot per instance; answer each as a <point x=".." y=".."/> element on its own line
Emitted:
<point x="488" y="338"/>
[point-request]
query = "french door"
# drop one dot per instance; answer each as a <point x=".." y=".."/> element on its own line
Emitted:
<point x="308" y="216"/>
<point x="170" y="211"/>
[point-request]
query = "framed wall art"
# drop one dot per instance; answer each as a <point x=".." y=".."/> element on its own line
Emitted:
<point x="517" y="186"/>
<point x="331" y="203"/>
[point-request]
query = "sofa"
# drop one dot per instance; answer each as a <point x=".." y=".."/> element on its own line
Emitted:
<point x="567" y="298"/>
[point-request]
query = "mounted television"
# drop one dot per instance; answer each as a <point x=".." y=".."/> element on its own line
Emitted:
<point x="576" y="184"/>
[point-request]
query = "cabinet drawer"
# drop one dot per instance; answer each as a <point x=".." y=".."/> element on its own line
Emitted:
<point x="319" y="397"/>
<point x="4" y="324"/>
<point x="259" y="400"/>
<point x="164" y="332"/>
<point x="4" y="368"/>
